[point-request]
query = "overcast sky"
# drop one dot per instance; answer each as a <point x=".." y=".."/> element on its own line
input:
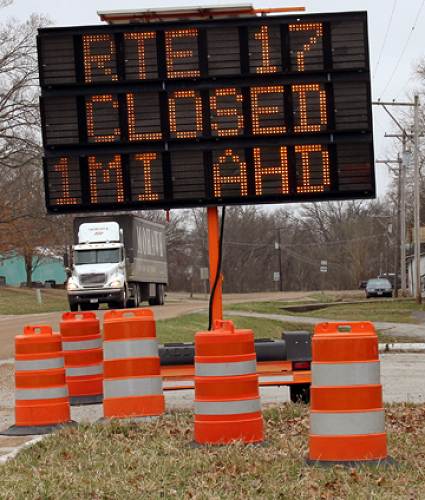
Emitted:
<point x="400" y="24"/>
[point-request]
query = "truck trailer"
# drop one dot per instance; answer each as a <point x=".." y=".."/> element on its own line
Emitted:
<point x="120" y="260"/>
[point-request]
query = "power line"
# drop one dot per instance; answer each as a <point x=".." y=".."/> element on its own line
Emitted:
<point x="295" y="245"/>
<point x="404" y="48"/>
<point x="385" y="37"/>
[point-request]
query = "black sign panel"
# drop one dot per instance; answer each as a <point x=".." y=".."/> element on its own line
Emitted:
<point x="237" y="111"/>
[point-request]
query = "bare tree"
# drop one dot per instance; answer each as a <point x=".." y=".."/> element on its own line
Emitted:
<point x="29" y="232"/>
<point x="19" y="115"/>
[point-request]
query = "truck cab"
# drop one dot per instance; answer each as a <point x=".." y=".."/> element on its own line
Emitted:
<point x="119" y="260"/>
<point x="99" y="271"/>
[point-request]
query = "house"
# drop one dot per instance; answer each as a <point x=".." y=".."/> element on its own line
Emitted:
<point x="50" y="268"/>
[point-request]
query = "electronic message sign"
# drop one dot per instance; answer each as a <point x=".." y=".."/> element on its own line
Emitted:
<point x="199" y="113"/>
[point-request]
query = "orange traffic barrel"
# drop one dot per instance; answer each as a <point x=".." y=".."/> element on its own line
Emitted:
<point x="41" y="397"/>
<point x="83" y="353"/>
<point x="132" y="385"/>
<point x="347" y="415"/>
<point x="227" y="400"/>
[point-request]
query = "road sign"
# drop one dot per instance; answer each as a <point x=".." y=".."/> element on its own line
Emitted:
<point x="204" y="273"/>
<point x="324" y="263"/>
<point x="230" y="111"/>
<point x="323" y="269"/>
<point x="276" y="276"/>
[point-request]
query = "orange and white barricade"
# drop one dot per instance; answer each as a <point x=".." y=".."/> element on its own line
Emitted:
<point x="227" y="400"/>
<point x="132" y="384"/>
<point x="347" y="415"/>
<point x="83" y="353"/>
<point x="41" y="396"/>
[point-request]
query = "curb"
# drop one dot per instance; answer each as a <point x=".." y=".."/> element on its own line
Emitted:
<point x="12" y="454"/>
<point x="402" y="347"/>
<point x="9" y="361"/>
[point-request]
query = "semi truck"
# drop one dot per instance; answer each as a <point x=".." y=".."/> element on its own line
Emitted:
<point x="118" y="260"/>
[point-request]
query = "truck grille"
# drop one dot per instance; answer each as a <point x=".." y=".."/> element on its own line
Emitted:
<point x="92" y="279"/>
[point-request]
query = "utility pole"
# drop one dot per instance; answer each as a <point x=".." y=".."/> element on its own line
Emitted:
<point x="278" y="247"/>
<point x="400" y="216"/>
<point x="417" y="202"/>
<point x="405" y="161"/>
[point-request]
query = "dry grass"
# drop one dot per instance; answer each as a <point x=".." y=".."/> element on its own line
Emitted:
<point x="183" y="328"/>
<point x="397" y="311"/>
<point x="155" y="460"/>
<point x="24" y="301"/>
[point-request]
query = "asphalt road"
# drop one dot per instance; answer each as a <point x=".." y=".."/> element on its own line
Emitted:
<point x="12" y="325"/>
<point x="176" y="305"/>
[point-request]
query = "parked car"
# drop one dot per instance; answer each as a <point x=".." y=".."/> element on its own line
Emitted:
<point x="378" y="287"/>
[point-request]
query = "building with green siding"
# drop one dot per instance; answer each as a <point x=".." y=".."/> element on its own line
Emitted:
<point x="50" y="268"/>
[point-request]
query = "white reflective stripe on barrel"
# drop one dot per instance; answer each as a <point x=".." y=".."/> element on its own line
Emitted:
<point x="226" y="369"/>
<point x="48" y="393"/>
<point x="227" y="407"/>
<point x="123" y="349"/>
<point x="340" y="374"/>
<point x="347" y="423"/>
<point x="39" y="364"/>
<point x="84" y="370"/>
<point x="143" y="386"/>
<point x="82" y="345"/>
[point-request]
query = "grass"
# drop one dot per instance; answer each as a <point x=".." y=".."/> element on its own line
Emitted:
<point x="24" y="301"/>
<point x="396" y="311"/>
<point x="183" y="328"/>
<point x="155" y="460"/>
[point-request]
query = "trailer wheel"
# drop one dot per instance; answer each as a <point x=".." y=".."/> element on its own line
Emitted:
<point x="137" y="295"/>
<point x="159" y="296"/>
<point x="300" y="393"/>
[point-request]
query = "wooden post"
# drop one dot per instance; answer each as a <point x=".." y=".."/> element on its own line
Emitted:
<point x="213" y="247"/>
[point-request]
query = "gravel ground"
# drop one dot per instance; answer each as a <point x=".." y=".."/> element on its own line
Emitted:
<point x="402" y="378"/>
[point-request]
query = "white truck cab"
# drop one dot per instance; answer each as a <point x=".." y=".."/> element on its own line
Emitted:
<point x="99" y="271"/>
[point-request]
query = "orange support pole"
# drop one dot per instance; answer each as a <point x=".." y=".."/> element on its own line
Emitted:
<point x="213" y="247"/>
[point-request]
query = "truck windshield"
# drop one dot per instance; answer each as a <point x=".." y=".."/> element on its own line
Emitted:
<point x="104" y="256"/>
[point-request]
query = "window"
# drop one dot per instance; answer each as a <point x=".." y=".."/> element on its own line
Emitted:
<point x="104" y="256"/>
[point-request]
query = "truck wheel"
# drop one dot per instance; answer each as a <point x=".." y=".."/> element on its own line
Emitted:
<point x="122" y="304"/>
<point x="300" y="393"/>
